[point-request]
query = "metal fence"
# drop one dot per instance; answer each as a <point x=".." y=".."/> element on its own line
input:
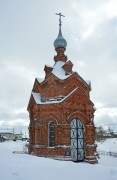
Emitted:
<point x="114" y="154"/>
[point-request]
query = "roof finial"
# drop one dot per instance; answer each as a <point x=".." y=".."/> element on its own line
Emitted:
<point x="59" y="14"/>
<point x="60" y="41"/>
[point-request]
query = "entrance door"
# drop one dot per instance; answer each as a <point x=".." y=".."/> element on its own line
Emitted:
<point x="77" y="140"/>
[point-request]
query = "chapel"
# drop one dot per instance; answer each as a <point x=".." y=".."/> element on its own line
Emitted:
<point x="61" y="112"/>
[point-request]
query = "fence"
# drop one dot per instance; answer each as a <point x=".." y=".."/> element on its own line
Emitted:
<point x="114" y="154"/>
<point x="20" y="152"/>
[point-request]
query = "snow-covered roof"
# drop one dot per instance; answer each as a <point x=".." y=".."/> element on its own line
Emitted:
<point x="40" y="80"/>
<point x="6" y="131"/>
<point x="59" y="71"/>
<point x="88" y="82"/>
<point x="37" y="98"/>
<point x="4" y="137"/>
<point x="49" y="65"/>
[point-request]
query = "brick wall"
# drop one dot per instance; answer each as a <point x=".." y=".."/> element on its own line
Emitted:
<point x="77" y="105"/>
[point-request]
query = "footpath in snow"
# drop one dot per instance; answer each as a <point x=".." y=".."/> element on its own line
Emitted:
<point x="28" y="167"/>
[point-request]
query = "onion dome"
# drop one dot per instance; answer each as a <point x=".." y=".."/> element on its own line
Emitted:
<point x="60" y="42"/>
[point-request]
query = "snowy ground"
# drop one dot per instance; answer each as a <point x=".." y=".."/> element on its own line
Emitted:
<point x="108" y="145"/>
<point x="27" y="167"/>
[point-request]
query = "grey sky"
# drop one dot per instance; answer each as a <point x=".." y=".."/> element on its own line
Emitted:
<point x="28" y="29"/>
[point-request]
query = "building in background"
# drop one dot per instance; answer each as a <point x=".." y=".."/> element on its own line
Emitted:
<point x="2" y="138"/>
<point x="10" y="134"/>
<point x="61" y="112"/>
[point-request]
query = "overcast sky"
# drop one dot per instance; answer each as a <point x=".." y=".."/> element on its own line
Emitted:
<point x="28" y="29"/>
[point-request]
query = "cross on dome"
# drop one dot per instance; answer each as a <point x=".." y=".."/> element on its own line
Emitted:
<point x="60" y="15"/>
<point x="60" y="42"/>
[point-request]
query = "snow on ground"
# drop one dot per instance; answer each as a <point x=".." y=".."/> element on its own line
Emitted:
<point x="108" y="145"/>
<point x="28" y="167"/>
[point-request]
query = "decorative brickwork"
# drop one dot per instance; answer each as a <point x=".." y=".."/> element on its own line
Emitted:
<point x="55" y="102"/>
<point x="47" y="70"/>
<point x="60" y="55"/>
<point x="68" y="67"/>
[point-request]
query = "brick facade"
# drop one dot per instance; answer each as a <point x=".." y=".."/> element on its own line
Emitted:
<point x="60" y="100"/>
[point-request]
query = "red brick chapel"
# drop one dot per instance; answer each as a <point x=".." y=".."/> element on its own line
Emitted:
<point x="61" y="112"/>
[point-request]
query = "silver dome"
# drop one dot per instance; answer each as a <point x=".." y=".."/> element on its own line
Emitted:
<point x="60" y="41"/>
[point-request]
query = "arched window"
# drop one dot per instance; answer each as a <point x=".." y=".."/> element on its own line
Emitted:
<point x="51" y="131"/>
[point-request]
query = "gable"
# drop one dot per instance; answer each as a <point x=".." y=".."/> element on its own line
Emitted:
<point x="52" y="86"/>
<point x="31" y="103"/>
<point x="76" y="81"/>
<point x="36" y="86"/>
<point x="79" y="97"/>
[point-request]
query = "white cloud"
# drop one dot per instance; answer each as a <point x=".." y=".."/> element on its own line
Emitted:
<point x="112" y="112"/>
<point x="109" y="8"/>
<point x="27" y="34"/>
